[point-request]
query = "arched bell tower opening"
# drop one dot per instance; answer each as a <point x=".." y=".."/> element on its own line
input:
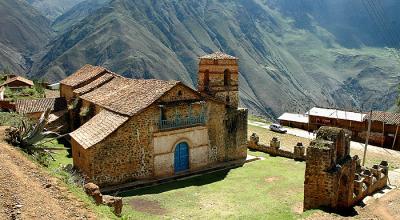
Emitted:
<point x="219" y="77"/>
<point x="206" y="80"/>
<point x="227" y="77"/>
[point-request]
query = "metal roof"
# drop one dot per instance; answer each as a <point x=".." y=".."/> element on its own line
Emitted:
<point x="337" y="114"/>
<point x="302" y="118"/>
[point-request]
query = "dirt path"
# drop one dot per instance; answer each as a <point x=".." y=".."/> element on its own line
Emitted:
<point x="27" y="192"/>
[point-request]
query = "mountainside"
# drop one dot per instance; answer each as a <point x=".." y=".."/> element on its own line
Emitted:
<point x="77" y="13"/>
<point x="353" y="23"/>
<point x="289" y="61"/>
<point x="53" y="8"/>
<point x="23" y="32"/>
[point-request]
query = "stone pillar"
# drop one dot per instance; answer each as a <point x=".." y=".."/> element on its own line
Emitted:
<point x="254" y="139"/>
<point x="358" y="185"/>
<point x="385" y="167"/>
<point x="299" y="151"/>
<point x="275" y="143"/>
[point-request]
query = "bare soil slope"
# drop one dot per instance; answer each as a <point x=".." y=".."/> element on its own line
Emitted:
<point x="27" y="192"/>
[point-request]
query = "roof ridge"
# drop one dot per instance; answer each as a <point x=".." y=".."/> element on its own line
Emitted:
<point x="218" y="55"/>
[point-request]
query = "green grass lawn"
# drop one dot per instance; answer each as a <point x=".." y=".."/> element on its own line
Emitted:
<point x="267" y="189"/>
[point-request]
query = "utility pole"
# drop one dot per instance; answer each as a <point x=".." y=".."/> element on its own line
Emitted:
<point x="366" y="141"/>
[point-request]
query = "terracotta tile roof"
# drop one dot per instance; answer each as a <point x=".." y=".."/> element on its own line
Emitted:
<point x="98" y="128"/>
<point x="18" y="78"/>
<point x="95" y="84"/>
<point x="218" y="56"/>
<point x="386" y="117"/>
<point x="129" y="96"/>
<point x="40" y="105"/>
<point x="85" y="73"/>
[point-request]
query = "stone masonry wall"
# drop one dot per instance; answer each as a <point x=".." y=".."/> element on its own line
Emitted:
<point x="215" y="121"/>
<point x="127" y="154"/>
<point x="235" y="134"/>
<point x="66" y="92"/>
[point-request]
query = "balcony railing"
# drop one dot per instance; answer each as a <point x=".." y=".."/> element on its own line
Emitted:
<point x="182" y="122"/>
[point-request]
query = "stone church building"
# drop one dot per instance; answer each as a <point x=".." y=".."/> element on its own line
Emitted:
<point x="140" y="129"/>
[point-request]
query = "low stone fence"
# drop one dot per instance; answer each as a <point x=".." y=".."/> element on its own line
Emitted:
<point x="369" y="180"/>
<point x="275" y="150"/>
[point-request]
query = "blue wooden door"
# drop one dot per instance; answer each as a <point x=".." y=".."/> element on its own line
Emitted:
<point x="181" y="157"/>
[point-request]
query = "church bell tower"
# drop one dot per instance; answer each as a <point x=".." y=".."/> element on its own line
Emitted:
<point x="219" y="77"/>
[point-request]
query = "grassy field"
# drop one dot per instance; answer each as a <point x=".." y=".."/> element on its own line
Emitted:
<point x="258" y="119"/>
<point x="11" y="119"/>
<point x="266" y="189"/>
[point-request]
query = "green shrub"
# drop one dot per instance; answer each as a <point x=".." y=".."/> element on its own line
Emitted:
<point x="84" y="111"/>
<point x="73" y="104"/>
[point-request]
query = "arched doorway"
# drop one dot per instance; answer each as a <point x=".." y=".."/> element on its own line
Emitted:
<point x="181" y="161"/>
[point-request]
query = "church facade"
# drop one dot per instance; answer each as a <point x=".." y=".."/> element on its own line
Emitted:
<point x="126" y="130"/>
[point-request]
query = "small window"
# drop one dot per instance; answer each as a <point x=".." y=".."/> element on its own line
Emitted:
<point x="179" y="93"/>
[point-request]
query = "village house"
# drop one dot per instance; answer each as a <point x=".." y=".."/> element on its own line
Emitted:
<point x="294" y="120"/>
<point x="142" y="129"/>
<point x="34" y="108"/>
<point x="17" y="82"/>
<point x="384" y="129"/>
<point x="384" y="125"/>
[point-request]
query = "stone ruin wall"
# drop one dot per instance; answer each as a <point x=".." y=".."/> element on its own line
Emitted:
<point x="274" y="148"/>
<point x="334" y="179"/>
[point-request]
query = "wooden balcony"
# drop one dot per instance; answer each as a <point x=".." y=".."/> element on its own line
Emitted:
<point x="182" y="122"/>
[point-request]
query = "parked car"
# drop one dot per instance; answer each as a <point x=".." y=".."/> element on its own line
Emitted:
<point x="277" y="128"/>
